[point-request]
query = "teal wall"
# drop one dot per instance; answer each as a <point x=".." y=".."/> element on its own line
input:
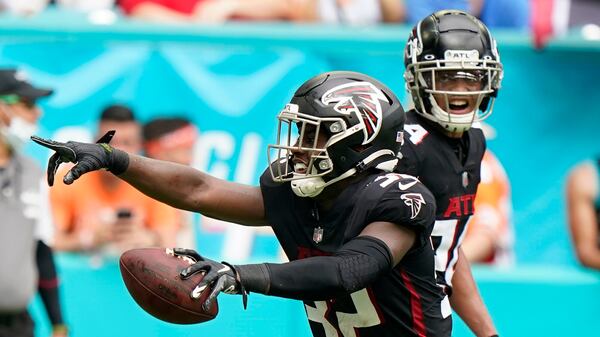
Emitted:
<point x="232" y="81"/>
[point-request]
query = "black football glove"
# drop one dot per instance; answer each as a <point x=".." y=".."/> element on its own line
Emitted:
<point x="219" y="276"/>
<point x="87" y="156"/>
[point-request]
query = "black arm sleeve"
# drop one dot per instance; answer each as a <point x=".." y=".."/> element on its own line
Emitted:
<point x="356" y="265"/>
<point x="48" y="282"/>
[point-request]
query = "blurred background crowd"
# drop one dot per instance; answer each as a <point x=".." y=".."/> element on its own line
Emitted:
<point x="543" y="17"/>
<point x="178" y="85"/>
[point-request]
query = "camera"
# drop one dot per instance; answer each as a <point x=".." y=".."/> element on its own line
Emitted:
<point x="123" y="213"/>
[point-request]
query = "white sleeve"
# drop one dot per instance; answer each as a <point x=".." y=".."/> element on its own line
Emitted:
<point x="44" y="227"/>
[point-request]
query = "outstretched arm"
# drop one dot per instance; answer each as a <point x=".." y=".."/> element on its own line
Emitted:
<point x="177" y="185"/>
<point x="467" y="302"/>
<point x="187" y="188"/>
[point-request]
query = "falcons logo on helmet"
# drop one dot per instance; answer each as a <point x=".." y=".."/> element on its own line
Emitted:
<point x="414" y="201"/>
<point x="363" y="100"/>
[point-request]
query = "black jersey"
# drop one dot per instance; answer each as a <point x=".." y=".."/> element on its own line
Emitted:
<point x="405" y="302"/>
<point x="429" y="155"/>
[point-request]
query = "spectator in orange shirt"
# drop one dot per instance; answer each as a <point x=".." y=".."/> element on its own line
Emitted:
<point x="106" y="212"/>
<point x="489" y="238"/>
<point x="173" y="139"/>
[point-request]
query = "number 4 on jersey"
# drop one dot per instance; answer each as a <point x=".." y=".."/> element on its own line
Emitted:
<point x="416" y="132"/>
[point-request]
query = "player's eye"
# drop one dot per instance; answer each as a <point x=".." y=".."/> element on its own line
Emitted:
<point x="468" y="76"/>
<point x="310" y="138"/>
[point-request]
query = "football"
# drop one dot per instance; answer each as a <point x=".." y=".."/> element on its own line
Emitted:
<point x="151" y="276"/>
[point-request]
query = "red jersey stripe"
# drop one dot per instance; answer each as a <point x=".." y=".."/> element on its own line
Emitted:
<point x="415" y="306"/>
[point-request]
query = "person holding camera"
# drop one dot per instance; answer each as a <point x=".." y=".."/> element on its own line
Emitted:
<point x="108" y="214"/>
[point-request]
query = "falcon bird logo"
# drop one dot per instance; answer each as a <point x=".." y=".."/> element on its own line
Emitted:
<point x="362" y="99"/>
<point x="414" y="201"/>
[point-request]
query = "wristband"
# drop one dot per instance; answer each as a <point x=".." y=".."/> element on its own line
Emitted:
<point x="239" y="282"/>
<point x="119" y="161"/>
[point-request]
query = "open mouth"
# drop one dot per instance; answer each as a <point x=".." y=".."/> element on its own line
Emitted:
<point x="459" y="105"/>
<point x="300" y="167"/>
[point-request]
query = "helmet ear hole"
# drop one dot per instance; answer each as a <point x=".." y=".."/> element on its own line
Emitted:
<point x="330" y="128"/>
<point x="484" y="104"/>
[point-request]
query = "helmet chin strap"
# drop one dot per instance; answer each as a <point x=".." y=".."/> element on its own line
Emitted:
<point x="312" y="186"/>
<point x="451" y="122"/>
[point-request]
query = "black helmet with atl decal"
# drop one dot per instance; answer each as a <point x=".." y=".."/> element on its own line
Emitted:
<point x="445" y="46"/>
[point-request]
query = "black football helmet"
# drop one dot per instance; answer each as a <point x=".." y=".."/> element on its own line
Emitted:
<point x="455" y="42"/>
<point x="360" y="118"/>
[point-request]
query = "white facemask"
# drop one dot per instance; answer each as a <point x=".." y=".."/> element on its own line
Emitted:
<point x="18" y="132"/>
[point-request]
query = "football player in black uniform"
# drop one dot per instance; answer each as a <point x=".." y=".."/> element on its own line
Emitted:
<point x="453" y="73"/>
<point x="356" y="233"/>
